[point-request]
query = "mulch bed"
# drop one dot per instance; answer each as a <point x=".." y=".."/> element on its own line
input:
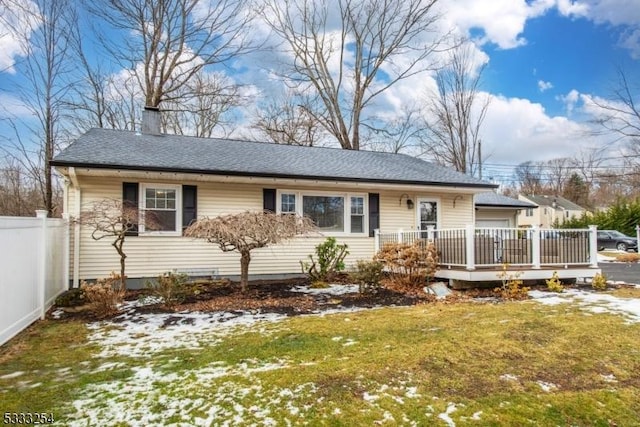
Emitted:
<point x="271" y="296"/>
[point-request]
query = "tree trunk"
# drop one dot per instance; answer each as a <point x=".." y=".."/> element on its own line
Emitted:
<point x="118" y="245"/>
<point x="245" y="258"/>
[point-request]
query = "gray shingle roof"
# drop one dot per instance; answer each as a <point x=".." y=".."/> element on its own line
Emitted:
<point x="546" y="200"/>
<point x="102" y="148"/>
<point x="497" y="200"/>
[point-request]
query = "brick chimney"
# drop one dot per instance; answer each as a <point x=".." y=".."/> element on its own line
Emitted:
<point x="151" y="121"/>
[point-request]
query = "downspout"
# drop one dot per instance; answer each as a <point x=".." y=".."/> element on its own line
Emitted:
<point x="76" y="226"/>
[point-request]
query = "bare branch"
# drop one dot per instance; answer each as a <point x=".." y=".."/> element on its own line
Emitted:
<point x="376" y="44"/>
<point x="247" y="231"/>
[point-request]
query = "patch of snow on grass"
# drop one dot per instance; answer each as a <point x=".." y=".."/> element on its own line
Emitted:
<point x="508" y="377"/>
<point x="547" y="387"/>
<point x="446" y="416"/>
<point x="142" y="335"/>
<point x="593" y="302"/>
<point x="370" y="397"/>
<point x="12" y="375"/>
<point x="150" y="396"/>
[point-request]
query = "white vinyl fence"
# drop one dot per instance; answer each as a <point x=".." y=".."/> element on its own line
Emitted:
<point x="33" y="269"/>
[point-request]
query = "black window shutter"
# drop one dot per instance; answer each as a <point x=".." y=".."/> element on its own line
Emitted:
<point x="130" y="200"/>
<point x="374" y="212"/>
<point x="269" y="199"/>
<point x="189" y="205"/>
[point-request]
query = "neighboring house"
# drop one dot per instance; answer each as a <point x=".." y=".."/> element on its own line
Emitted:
<point x="349" y="194"/>
<point x="550" y="209"/>
<point x="496" y="210"/>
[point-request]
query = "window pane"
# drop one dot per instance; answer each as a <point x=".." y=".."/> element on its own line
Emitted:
<point x="357" y="206"/>
<point x="357" y="223"/>
<point x="160" y="220"/>
<point x="288" y="203"/>
<point x="326" y="212"/>
<point x="161" y="203"/>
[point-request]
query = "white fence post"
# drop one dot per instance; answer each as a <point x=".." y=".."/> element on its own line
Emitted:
<point x="42" y="253"/>
<point x="400" y="237"/>
<point x="67" y="222"/>
<point x="430" y="233"/>
<point x="471" y="245"/>
<point x="593" y="246"/>
<point x="535" y="247"/>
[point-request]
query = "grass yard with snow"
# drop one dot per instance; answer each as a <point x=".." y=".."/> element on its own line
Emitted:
<point x="558" y="359"/>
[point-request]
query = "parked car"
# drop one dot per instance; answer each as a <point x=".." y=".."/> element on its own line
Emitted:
<point x="612" y="239"/>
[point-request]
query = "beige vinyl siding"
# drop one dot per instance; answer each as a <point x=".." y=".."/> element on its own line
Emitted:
<point x="149" y="255"/>
<point x="394" y="214"/>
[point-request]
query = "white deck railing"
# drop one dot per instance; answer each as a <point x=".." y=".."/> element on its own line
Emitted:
<point x="472" y="247"/>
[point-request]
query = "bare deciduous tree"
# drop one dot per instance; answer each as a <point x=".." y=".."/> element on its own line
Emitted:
<point x="529" y="177"/>
<point x="45" y="41"/>
<point x="557" y="173"/>
<point x="455" y="113"/>
<point x="621" y="113"/>
<point x="349" y="63"/>
<point x="115" y="220"/>
<point x="288" y="121"/>
<point x="399" y="134"/>
<point x="20" y="195"/>
<point x="202" y="103"/>
<point x="244" y="232"/>
<point x="168" y="42"/>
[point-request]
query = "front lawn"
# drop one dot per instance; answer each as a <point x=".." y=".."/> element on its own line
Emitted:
<point x="568" y="360"/>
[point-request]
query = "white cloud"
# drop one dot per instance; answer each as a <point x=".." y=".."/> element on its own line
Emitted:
<point x="517" y="130"/>
<point x="543" y="86"/>
<point x="503" y="21"/>
<point x="17" y="22"/>
<point x="12" y="107"/>
<point x="622" y="13"/>
<point x="570" y="100"/>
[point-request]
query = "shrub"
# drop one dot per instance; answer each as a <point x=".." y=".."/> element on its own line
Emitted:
<point x="368" y="275"/>
<point x="171" y="287"/>
<point x="330" y="261"/>
<point x="409" y="265"/>
<point x="71" y="298"/>
<point x="629" y="257"/>
<point x="512" y="287"/>
<point x="599" y="282"/>
<point x="104" y="296"/>
<point x="554" y="284"/>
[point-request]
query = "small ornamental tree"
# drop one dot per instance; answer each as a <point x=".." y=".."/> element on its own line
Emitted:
<point x="113" y="219"/>
<point x="246" y="231"/>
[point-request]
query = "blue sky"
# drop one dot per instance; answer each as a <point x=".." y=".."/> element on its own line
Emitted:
<point x="545" y="60"/>
<point x="561" y="54"/>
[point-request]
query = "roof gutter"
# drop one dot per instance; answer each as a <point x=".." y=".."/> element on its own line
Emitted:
<point x="63" y="163"/>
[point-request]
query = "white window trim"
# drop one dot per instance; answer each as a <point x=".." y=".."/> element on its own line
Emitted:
<point x="347" y="208"/>
<point x="142" y="207"/>
<point x="438" y="210"/>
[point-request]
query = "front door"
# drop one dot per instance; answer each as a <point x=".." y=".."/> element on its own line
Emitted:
<point x="427" y="214"/>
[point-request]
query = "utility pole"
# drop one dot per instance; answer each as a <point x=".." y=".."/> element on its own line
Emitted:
<point x="480" y="156"/>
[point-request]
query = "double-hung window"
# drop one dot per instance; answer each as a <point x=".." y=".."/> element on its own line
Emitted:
<point x="288" y="203"/>
<point x="159" y="208"/>
<point x="357" y="214"/>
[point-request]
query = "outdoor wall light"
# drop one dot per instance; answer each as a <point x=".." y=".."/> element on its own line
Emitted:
<point x="409" y="201"/>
